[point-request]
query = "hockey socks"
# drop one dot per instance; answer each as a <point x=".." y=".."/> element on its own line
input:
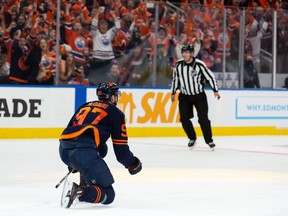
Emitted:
<point x="97" y="194"/>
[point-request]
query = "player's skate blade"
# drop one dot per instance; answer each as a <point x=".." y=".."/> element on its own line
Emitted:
<point x="69" y="194"/>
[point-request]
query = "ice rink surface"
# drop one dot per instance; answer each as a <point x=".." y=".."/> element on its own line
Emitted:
<point x="244" y="176"/>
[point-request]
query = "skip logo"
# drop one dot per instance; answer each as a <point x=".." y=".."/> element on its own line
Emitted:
<point x="155" y="108"/>
<point x="20" y="108"/>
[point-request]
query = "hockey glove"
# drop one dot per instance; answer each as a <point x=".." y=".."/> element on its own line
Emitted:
<point x="135" y="167"/>
<point x="72" y="170"/>
<point x="103" y="150"/>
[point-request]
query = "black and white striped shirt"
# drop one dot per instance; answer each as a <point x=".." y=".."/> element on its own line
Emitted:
<point x="189" y="78"/>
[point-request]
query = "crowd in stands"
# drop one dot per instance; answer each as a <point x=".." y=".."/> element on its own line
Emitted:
<point x="116" y="40"/>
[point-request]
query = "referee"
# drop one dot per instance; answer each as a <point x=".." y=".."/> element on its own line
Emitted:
<point x="189" y="76"/>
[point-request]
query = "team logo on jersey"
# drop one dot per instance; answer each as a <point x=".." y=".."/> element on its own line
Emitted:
<point x="45" y="62"/>
<point x="223" y="38"/>
<point x="196" y="19"/>
<point x="79" y="43"/>
<point x="105" y="40"/>
<point x="21" y="63"/>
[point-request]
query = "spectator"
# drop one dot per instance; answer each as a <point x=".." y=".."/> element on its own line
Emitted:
<point x="182" y="41"/>
<point x="34" y="57"/>
<point x="16" y="56"/>
<point x="255" y="35"/>
<point x="66" y="69"/>
<point x="78" y="77"/>
<point x="114" y="75"/>
<point x="198" y="42"/>
<point x="122" y="38"/>
<point x="10" y="12"/>
<point x="224" y="39"/>
<point x="3" y="56"/>
<point x="102" y="47"/>
<point x="75" y="38"/>
<point x="135" y="68"/>
<point x="4" y="69"/>
<point x="163" y="56"/>
<point x="207" y="52"/>
<point x="195" y="17"/>
<point x="161" y="37"/>
<point x="143" y="21"/>
<point x="251" y="79"/>
<point x="266" y="40"/>
<point x="282" y="47"/>
<point x="163" y="69"/>
<point x="21" y="25"/>
<point x="19" y="72"/>
<point x="47" y="64"/>
<point x="131" y="5"/>
<point x="136" y="39"/>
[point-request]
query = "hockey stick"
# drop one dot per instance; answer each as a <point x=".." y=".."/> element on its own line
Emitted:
<point x="56" y="186"/>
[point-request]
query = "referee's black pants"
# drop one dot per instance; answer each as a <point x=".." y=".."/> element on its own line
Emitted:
<point x="186" y="105"/>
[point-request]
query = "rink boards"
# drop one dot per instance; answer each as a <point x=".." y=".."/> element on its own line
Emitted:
<point x="43" y="112"/>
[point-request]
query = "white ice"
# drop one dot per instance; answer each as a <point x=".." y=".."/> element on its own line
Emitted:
<point x="246" y="175"/>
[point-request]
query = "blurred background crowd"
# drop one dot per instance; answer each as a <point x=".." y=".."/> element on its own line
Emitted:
<point x="137" y="43"/>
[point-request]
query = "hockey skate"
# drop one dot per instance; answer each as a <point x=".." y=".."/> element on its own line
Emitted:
<point x="191" y="144"/>
<point x="71" y="191"/>
<point x="211" y="145"/>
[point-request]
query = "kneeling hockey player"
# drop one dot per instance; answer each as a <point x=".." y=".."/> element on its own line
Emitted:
<point x="83" y="147"/>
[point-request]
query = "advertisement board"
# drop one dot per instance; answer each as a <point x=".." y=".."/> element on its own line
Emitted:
<point x="43" y="112"/>
<point x="35" y="112"/>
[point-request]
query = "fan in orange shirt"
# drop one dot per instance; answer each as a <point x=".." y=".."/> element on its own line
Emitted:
<point x="47" y="64"/>
<point x="141" y="17"/>
<point x="75" y="38"/>
<point x="121" y="39"/>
